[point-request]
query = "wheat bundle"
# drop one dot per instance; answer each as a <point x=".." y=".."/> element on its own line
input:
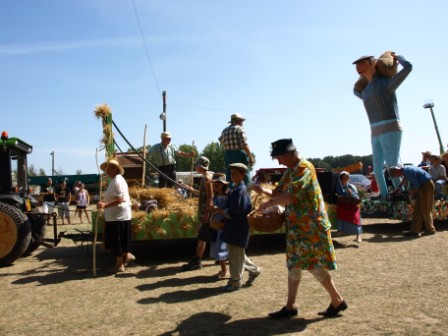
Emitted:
<point x="256" y="198"/>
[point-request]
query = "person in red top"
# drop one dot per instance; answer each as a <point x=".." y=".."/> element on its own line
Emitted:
<point x="374" y="190"/>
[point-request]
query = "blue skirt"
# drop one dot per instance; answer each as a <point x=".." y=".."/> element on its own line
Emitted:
<point x="349" y="228"/>
<point x="218" y="248"/>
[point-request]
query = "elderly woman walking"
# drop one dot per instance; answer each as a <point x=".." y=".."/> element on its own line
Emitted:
<point x="308" y="238"/>
<point x="118" y="215"/>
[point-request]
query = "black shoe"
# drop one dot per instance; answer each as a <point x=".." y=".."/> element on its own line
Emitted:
<point x="194" y="264"/>
<point x="332" y="312"/>
<point x="284" y="313"/>
<point x="411" y="234"/>
<point x="251" y="279"/>
<point x="429" y="233"/>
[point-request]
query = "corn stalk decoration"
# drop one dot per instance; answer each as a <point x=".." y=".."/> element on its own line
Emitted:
<point x="104" y="112"/>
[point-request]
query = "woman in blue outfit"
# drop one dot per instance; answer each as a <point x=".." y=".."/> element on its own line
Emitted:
<point x="218" y="248"/>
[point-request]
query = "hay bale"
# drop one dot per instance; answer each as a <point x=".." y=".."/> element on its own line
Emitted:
<point x="168" y="201"/>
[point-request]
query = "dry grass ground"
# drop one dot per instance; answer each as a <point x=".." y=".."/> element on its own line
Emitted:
<point x="392" y="284"/>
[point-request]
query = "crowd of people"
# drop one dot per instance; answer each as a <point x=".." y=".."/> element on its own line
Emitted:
<point x="226" y="197"/>
<point x="60" y="198"/>
<point x="309" y="243"/>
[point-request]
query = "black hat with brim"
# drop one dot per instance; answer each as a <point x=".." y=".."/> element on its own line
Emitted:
<point x="282" y="146"/>
<point x="362" y="58"/>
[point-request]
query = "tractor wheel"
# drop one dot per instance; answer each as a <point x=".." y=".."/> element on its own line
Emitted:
<point x="15" y="233"/>
<point x="38" y="228"/>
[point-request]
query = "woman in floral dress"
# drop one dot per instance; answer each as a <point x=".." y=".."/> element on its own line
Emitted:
<point x="308" y="239"/>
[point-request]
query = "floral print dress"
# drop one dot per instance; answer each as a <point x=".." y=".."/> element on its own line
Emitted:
<point x="308" y="237"/>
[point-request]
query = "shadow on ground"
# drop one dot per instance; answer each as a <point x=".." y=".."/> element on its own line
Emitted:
<point x="385" y="232"/>
<point x="208" y="323"/>
<point x="71" y="263"/>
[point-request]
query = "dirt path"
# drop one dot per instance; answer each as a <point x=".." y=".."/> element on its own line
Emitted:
<point x="393" y="285"/>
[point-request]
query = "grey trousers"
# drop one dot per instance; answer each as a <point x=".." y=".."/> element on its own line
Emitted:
<point x="238" y="262"/>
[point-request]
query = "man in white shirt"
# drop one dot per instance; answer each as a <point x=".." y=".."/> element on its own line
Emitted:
<point x="438" y="175"/>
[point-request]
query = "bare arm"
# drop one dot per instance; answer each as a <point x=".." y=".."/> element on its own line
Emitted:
<point x="185" y="154"/>
<point x="104" y="205"/>
<point x="249" y="154"/>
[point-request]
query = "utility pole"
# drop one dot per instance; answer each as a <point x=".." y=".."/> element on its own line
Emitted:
<point x="144" y="157"/>
<point x="430" y="104"/>
<point x="52" y="163"/>
<point x="163" y="115"/>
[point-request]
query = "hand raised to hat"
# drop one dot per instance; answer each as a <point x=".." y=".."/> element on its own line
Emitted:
<point x="394" y="56"/>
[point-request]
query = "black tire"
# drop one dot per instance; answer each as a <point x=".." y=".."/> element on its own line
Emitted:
<point x="15" y="234"/>
<point x="38" y="228"/>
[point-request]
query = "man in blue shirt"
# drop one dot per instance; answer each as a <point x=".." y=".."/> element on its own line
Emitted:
<point x="381" y="106"/>
<point x="422" y="187"/>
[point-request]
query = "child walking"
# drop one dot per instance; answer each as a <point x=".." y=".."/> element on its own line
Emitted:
<point x="236" y="230"/>
<point x="218" y="248"/>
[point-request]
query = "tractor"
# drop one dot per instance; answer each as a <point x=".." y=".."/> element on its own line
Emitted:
<point x="22" y="227"/>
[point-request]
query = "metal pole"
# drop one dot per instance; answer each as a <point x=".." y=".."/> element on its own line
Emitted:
<point x="52" y="163"/>
<point x="429" y="104"/>
<point x="437" y="131"/>
<point x="164" y="110"/>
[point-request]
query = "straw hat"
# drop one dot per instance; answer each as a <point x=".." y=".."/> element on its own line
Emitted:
<point x="236" y="116"/>
<point x="114" y="163"/>
<point x="219" y="177"/>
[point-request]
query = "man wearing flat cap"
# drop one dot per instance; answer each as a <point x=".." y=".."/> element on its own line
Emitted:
<point x="381" y="106"/>
<point x="165" y="155"/>
<point x="236" y="148"/>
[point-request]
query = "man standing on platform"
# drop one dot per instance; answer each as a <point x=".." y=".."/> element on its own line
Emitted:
<point x="236" y="148"/>
<point x="165" y="155"/>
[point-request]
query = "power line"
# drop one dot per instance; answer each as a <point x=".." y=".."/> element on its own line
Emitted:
<point x="148" y="56"/>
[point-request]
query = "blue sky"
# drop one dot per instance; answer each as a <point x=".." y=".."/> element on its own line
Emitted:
<point x="285" y="65"/>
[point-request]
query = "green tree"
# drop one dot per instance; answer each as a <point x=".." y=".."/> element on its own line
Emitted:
<point x="215" y="153"/>
<point x="338" y="162"/>
<point x="42" y="172"/>
<point x="32" y="171"/>
<point x="185" y="164"/>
